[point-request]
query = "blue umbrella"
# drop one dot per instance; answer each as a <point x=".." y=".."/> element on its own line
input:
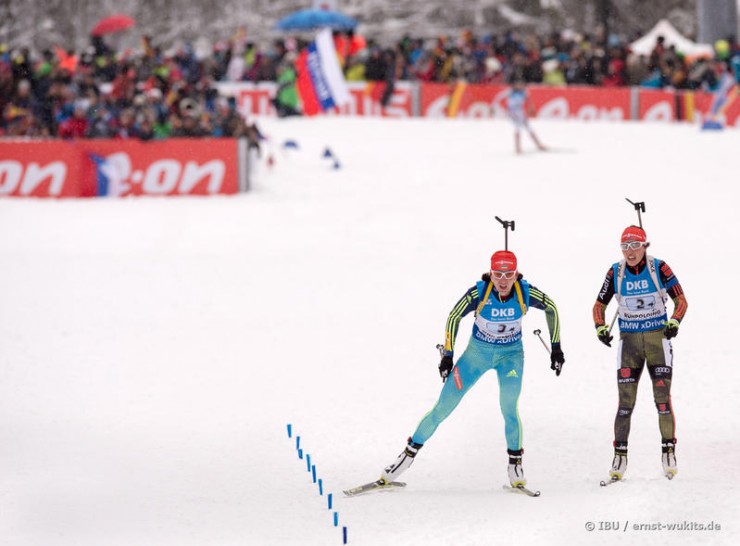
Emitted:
<point x="308" y="19"/>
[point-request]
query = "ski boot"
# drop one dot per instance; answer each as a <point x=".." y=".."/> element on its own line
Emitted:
<point x="401" y="464"/>
<point x="516" y="472"/>
<point x="669" y="458"/>
<point x="619" y="464"/>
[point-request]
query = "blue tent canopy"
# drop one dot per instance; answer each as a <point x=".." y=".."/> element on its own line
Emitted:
<point x="309" y="19"/>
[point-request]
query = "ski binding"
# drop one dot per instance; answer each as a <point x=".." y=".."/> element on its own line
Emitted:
<point x="522" y="489"/>
<point x="612" y="480"/>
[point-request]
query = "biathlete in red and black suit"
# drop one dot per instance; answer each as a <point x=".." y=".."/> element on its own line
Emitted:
<point x="642" y="285"/>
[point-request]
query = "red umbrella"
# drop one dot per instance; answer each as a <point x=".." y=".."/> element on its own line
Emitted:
<point x="114" y="23"/>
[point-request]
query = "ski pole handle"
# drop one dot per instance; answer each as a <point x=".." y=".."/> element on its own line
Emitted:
<point x="638" y="207"/>
<point x="537" y="333"/>
<point x="506" y="224"/>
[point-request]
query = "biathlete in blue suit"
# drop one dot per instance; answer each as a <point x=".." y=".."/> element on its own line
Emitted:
<point x="500" y="301"/>
<point x="519" y="109"/>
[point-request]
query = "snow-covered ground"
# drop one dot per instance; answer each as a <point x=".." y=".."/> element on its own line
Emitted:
<point x="152" y="351"/>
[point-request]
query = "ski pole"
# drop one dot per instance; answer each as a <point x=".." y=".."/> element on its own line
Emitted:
<point x="537" y="332"/>
<point x="613" y="321"/>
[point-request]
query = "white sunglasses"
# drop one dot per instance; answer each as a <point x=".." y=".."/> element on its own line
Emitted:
<point x="634" y="245"/>
<point x="508" y="275"/>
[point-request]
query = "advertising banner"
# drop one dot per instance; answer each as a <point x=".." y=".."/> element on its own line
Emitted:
<point x="656" y="105"/>
<point x="51" y="168"/>
<point x="117" y="168"/>
<point x="461" y="100"/>
<point x="168" y="167"/>
<point x="366" y="99"/>
<point x="481" y="101"/>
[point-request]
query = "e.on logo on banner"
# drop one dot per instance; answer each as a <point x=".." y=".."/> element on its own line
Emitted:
<point x="17" y="178"/>
<point x="581" y="103"/>
<point x="483" y="101"/>
<point x="116" y="177"/>
<point x="89" y="168"/>
<point x="41" y="169"/>
<point x="168" y="167"/>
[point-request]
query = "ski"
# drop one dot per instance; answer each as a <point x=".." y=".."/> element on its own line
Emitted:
<point x="379" y="485"/>
<point x="560" y="150"/>
<point x="611" y="481"/>
<point x="522" y="489"/>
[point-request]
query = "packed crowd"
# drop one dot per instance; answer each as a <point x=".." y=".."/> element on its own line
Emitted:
<point x="101" y="93"/>
<point x="151" y="93"/>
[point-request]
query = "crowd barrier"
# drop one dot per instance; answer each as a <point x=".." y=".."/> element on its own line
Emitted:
<point x="210" y="166"/>
<point x="118" y="168"/>
<point x="461" y="100"/>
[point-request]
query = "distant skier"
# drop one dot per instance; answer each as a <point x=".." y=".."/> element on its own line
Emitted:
<point x="641" y="285"/>
<point x="499" y="300"/>
<point x="724" y="94"/>
<point x="519" y="109"/>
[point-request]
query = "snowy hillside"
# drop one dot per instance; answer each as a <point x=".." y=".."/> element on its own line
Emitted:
<point x="44" y="23"/>
<point x="152" y="351"/>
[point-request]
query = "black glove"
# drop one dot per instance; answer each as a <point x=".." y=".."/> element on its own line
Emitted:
<point x="557" y="359"/>
<point x="671" y="329"/>
<point x="603" y="334"/>
<point x="445" y="365"/>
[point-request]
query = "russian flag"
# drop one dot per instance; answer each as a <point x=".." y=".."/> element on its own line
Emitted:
<point x="321" y="84"/>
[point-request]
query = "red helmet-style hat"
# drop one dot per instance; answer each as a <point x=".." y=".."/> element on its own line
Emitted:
<point x="503" y="260"/>
<point x="634" y="233"/>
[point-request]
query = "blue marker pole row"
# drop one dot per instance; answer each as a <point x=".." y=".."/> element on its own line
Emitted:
<point x="312" y="469"/>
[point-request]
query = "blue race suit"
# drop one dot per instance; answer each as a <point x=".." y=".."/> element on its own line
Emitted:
<point x="495" y="344"/>
<point x="516" y="107"/>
